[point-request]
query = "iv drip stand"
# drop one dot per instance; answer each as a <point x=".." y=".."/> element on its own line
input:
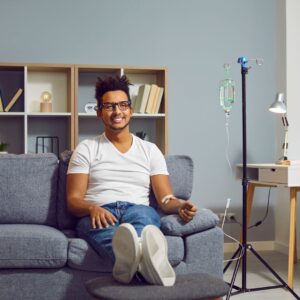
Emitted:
<point x="245" y="246"/>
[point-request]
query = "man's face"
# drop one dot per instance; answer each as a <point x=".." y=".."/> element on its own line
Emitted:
<point x="113" y="117"/>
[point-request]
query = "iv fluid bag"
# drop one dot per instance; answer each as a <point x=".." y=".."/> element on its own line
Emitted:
<point x="227" y="94"/>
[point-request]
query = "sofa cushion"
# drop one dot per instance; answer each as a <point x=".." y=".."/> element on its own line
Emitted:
<point x="32" y="246"/>
<point x="28" y="188"/>
<point x="64" y="219"/>
<point x="175" y="249"/>
<point x="82" y="256"/>
<point x="173" y="225"/>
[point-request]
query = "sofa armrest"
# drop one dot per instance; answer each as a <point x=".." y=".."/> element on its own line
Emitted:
<point x="173" y="225"/>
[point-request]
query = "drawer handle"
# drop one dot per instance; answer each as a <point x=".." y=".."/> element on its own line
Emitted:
<point x="273" y="170"/>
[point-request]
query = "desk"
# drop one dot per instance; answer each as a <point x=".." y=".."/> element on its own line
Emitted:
<point x="272" y="175"/>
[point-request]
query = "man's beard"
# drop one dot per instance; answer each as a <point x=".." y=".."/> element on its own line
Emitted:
<point x="115" y="128"/>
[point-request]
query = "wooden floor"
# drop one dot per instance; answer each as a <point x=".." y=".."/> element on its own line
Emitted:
<point x="258" y="276"/>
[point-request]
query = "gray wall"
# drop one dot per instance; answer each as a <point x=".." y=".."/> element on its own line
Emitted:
<point x="193" y="38"/>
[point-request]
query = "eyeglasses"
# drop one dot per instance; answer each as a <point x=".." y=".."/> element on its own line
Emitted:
<point x="110" y="106"/>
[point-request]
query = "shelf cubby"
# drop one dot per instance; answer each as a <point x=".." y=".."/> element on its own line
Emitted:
<point x="57" y="80"/>
<point x="11" y="80"/>
<point x="12" y="129"/>
<point x="48" y="126"/>
<point x="87" y="125"/>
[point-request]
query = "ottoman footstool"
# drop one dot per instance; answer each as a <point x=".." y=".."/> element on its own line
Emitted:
<point x="187" y="287"/>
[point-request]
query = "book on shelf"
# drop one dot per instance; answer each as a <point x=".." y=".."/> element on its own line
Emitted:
<point x="14" y="99"/>
<point x="142" y="98"/>
<point x="1" y="102"/>
<point x="133" y="92"/>
<point x="151" y="98"/>
<point x="157" y="101"/>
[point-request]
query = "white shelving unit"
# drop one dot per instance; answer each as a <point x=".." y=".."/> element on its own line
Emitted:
<point x="24" y="122"/>
<point x="71" y="87"/>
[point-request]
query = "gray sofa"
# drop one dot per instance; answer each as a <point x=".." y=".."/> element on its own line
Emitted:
<point x="40" y="255"/>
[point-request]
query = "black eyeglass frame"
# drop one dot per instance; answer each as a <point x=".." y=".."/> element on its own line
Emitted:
<point x="114" y="104"/>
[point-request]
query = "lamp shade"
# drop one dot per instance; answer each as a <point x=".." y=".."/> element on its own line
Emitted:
<point x="278" y="106"/>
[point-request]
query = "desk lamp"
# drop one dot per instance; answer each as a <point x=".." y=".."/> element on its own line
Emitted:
<point x="279" y="107"/>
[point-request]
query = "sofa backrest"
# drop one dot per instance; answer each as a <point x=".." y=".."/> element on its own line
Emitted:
<point x="28" y="188"/>
<point x="64" y="219"/>
<point x="180" y="168"/>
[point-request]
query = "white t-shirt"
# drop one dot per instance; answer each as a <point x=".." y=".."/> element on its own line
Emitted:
<point x="116" y="176"/>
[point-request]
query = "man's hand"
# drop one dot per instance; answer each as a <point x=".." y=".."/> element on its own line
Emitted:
<point x="100" y="217"/>
<point x="187" y="211"/>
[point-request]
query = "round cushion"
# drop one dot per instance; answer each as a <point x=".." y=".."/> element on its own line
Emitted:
<point x="187" y="287"/>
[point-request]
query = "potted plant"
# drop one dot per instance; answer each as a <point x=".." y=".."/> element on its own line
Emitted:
<point x="3" y="147"/>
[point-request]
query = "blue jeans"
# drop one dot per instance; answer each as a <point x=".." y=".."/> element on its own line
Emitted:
<point x="101" y="239"/>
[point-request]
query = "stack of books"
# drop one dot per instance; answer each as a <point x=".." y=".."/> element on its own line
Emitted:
<point x="148" y="99"/>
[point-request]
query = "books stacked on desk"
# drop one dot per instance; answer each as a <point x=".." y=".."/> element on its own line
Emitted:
<point x="148" y="99"/>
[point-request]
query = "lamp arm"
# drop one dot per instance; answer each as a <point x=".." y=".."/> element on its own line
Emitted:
<point x="286" y="128"/>
<point x="285" y="145"/>
<point x="285" y="122"/>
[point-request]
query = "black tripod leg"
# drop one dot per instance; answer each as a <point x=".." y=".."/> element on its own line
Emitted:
<point x="237" y="265"/>
<point x="231" y="260"/>
<point x="273" y="272"/>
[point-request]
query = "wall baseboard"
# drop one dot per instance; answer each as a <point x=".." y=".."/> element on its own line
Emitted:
<point x="259" y="246"/>
<point x="262" y="246"/>
<point x="282" y="248"/>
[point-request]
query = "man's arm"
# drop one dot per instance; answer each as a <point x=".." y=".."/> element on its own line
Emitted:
<point x="76" y="189"/>
<point x="161" y="187"/>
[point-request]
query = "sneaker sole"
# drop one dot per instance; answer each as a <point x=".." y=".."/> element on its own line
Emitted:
<point x="126" y="249"/>
<point x="155" y="266"/>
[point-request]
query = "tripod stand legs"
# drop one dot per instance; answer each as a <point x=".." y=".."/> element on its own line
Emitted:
<point x="292" y="256"/>
<point x="284" y="284"/>
<point x="243" y="289"/>
<point x="239" y="252"/>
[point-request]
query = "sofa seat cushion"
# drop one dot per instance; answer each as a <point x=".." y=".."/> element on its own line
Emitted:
<point x="175" y="249"/>
<point x="32" y="246"/>
<point x="173" y="225"/>
<point x="82" y="256"/>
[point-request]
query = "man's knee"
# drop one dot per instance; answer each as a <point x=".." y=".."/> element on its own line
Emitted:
<point x="143" y="214"/>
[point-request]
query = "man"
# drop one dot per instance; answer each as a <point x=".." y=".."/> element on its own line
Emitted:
<point x="108" y="186"/>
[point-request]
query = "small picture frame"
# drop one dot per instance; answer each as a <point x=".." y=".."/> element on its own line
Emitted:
<point x="90" y="107"/>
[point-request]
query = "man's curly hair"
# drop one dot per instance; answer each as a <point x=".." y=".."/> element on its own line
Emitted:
<point x="110" y="83"/>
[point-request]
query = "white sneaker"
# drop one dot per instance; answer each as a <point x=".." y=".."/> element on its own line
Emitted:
<point x="126" y="248"/>
<point x="154" y="265"/>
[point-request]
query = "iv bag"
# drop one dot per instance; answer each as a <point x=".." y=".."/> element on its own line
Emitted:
<point x="227" y="91"/>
